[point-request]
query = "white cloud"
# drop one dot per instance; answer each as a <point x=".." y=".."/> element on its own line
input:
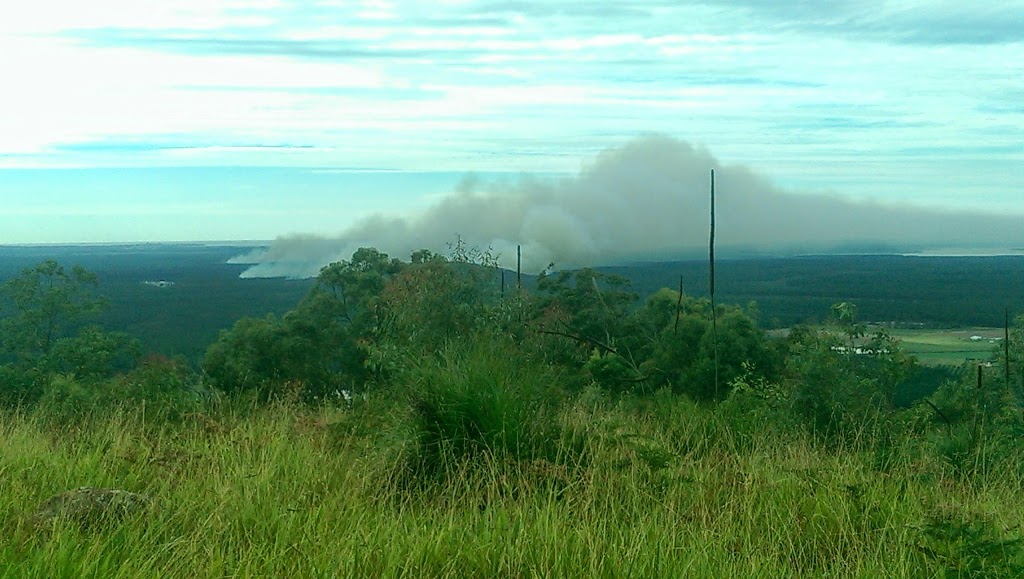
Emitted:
<point x="830" y="95"/>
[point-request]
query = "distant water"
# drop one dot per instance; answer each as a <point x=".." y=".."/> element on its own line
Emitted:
<point x="967" y="252"/>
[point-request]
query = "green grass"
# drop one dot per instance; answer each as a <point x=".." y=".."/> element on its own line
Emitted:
<point x="948" y="347"/>
<point x="666" y="492"/>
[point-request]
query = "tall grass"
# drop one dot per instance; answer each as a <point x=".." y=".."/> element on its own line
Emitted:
<point x="665" y="491"/>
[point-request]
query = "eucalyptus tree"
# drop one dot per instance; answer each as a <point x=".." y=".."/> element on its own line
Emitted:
<point x="44" y="304"/>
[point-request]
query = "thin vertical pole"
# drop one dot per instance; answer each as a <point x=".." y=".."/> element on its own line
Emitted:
<point x="679" y="306"/>
<point x="711" y="280"/>
<point x="519" y="267"/>
<point x="979" y="418"/>
<point x="1006" y="346"/>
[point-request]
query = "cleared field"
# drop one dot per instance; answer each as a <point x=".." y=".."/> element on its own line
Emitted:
<point x="950" y="347"/>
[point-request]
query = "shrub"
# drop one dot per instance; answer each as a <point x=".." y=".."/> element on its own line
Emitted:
<point x="65" y="398"/>
<point x="166" y="387"/>
<point x="20" y="386"/>
<point x="755" y="406"/>
<point x="163" y="389"/>
<point x="487" y="399"/>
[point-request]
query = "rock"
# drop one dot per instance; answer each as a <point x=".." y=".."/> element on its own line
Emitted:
<point x="89" y="507"/>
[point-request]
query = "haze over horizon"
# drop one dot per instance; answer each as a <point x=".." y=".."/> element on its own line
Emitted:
<point x="331" y="123"/>
<point x="645" y="200"/>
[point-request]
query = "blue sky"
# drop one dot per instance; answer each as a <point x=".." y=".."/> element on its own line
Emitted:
<point x="126" y="120"/>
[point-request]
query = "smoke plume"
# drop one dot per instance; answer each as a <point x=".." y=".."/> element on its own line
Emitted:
<point x="645" y="200"/>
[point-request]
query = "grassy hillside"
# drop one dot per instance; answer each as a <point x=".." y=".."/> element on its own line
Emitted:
<point x="660" y="488"/>
<point x="406" y="420"/>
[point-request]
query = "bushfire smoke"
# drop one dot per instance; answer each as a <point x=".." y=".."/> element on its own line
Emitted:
<point x="645" y="200"/>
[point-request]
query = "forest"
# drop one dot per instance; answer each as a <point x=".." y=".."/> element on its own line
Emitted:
<point x="418" y="418"/>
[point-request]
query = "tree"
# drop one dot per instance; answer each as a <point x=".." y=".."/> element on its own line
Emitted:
<point x="844" y="317"/>
<point x="348" y="287"/>
<point x="44" y="304"/>
<point x="95" y="353"/>
<point x="681" y="350"/>
<point x="42" y="335"/>
<point x="592" y="310"/>
<point x="436" y="299"/>
<point x="316" y="348"/>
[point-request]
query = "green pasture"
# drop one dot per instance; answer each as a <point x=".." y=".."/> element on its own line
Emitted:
<point x="950" y="347"/>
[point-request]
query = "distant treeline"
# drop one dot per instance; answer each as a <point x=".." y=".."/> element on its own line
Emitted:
<point x="208" y="296"/>
<point x="180" y="319"/>
<point x="934" y="291"/>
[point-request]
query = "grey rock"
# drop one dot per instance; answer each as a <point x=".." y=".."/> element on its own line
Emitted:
<point x="90" y="507"/>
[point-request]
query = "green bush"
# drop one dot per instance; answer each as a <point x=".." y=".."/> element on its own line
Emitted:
<point x="20" y="386"/>
<point x="166" y="388"/>
<point x="835" y="395"/>
<point x="163" y="390"/>
<point x="973" y="428"/>
<point x="65" y="398"/>
<point x="484" y="400"/>
<point x="683" y="348"/>
<point x="755" y="406"/>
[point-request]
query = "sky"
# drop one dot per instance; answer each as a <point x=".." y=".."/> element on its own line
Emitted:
<point x="137" y="120"/>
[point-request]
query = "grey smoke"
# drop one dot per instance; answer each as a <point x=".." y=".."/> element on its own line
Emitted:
<point x="645" y="200"/>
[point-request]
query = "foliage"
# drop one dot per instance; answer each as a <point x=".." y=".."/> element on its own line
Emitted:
<point x="971" y="548"/>
<point x="272" y="356"/>
<point x="828" y="393"/>
<point x="755" y="405"/>
<point x="163" y="390"/>
<point x="612" y="372"/>
<point x="42" y="337"/>
<point x="357" y="325"/>
<point x="67" y="399"/>
<point x="484" y="400"/>
<point x="95" y="353"/>
<point x="44" y="303"/>
<point x="976" y="428"/>
<point x="20" y="386"/>
<point x="838" y="384"/>
<point x="683" y="346"/>
<point x="844" y="317"/>
<point x="570" y="421"/>
<point x="588" y="307"/>
<point x="209" y="294"/>
<point x="317" y="349"/>
<point x="347" y="289"/>
<point x="436" y="300"/>
<point x="166" y="388"/>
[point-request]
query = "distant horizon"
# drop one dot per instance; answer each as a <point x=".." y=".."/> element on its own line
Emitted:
<point x="205" y="242"/>
<point x="695" y="254"/>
